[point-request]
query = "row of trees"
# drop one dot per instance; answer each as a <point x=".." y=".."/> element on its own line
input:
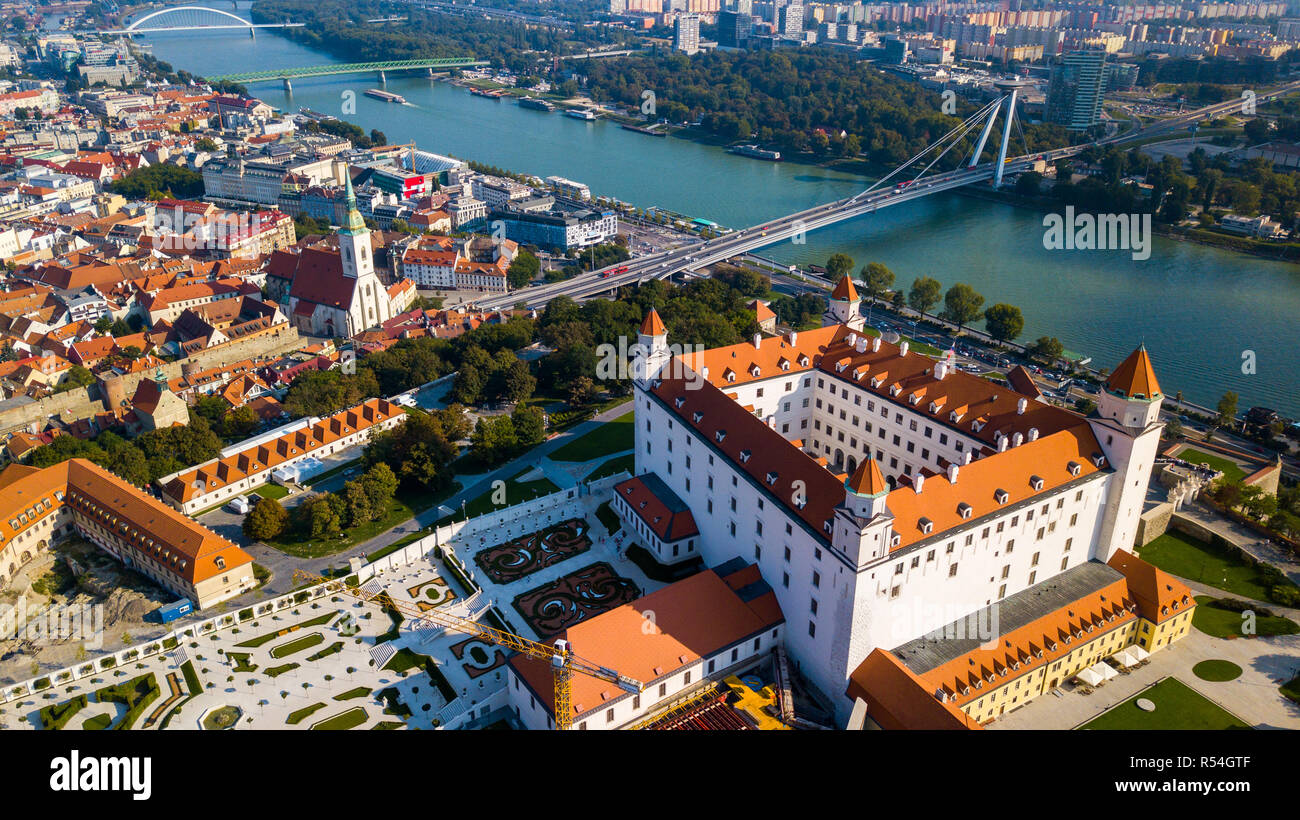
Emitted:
<point x="143" y="459"/>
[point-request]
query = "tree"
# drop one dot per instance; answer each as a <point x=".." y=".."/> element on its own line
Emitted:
<point x="1227" y="408"/>
<point x="838" y="266"/>
<point x="1004" y="322"/>
<point x="523" y="270"/>
<point x="581" y="391"/>
<point x="360" y="509"/>
<point x="962" y="305"/>
<point x="1028" y="183"/>
<point x="924" y="294"/>
<point x="266" y="520"/>
<point x="380" y="485"/>
<point x="1047" y="348"/>
<point x="877" y="280"/>
<point x="321" y="516"/>
<point x="530" y="428"/>
<point x="494" y="439"/>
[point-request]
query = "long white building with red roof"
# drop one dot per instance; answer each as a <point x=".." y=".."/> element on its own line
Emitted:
<point x="881" y="493"/>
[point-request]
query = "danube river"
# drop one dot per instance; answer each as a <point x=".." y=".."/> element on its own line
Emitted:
<point x="1198" y="309"/>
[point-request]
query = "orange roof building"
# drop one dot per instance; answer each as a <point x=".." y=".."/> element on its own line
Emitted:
<point x="249" y="465"/>
<point x="712" y="624"/>
<point x="39" y="506"/>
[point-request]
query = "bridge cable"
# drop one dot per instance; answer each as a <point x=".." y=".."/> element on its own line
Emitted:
<point x="978" y="116"/>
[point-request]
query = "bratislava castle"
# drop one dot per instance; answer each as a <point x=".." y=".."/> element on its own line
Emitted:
<point x="883" y="494"/>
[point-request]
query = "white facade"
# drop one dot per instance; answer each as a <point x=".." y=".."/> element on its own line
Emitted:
<point x="845" y="592"/>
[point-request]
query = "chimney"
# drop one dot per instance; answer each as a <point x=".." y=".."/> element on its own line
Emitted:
<point x="1033" y="434"/>
<point x="1017" y="440"/>
<point x="902" y="349"/>
<point x="758" y="341"/>
<point x="918" y="482"/>
<point x="705" y="372"/>
<point x="794" y="338"/>
<point x="940" y="370"/>
<point x="952" y="473"/>
<point x="1002" y="444"/>
<point x="1021" y="406"/>
<point x="875" y="344"/>
<point x="966" y="457"/>
<point x="852" y="341"/>
<point x="862" y="344"/>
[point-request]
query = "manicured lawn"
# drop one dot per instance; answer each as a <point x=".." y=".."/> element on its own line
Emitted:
<point x="300" y="547"/>
<point x="613" y="466"/>
<point x="1197" y="561"/>
<point x="611" y="437"/>
<point x="297" y="645"/>
<point x="350" y="719"/>
<point x="1229" y="468"/>
<point x="517" y="492"/>
<point x="272" y="491"/>
<point x="1292" y="689"/>
<point x="1225" y="623"/>
<point x="1217" y="670"/>
<point x="280" y="670"/>
<point x="1177" y="707"/>
<point x="240" y="660"/>
<point x="297" y="717"/>
<point x="359" y="692"/>
<point x="332" y="649"/>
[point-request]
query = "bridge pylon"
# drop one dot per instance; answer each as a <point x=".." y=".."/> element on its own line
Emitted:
<point x="1008" y="106"/>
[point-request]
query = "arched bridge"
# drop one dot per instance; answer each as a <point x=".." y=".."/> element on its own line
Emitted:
<point x="193" y="18"/>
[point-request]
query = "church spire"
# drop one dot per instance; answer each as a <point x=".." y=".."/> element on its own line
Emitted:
<point x="355" y="225"/>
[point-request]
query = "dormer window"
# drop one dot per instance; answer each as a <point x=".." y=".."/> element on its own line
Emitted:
<point x="964" y="510"/>
<point x="1036" y="483"/>
<point x="896" y="540"/>
<point x="720" y="435"/>
<point x="875" y="381"/>
<point x="954" y="417"/>
<point x="679" y="401"/>
<point x="1074" y="467"/>
<point x="803" y="361"/>
<point x="925" y="525"/>
<point x="1000" y="495"/>
<point x="893" y="390"/>
<point x="771" y="478"/>
<point x="1098" y="459"/>
<point x="913" y="399"/>
<point x="977" y="425"/>
<point x="744" y="456"/>
<point x="755" y="370"/>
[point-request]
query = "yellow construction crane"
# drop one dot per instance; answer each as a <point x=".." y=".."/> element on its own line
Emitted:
<point x="559" y="655"/>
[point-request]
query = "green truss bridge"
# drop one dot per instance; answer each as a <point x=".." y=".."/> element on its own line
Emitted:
<point x="285" y="75"/>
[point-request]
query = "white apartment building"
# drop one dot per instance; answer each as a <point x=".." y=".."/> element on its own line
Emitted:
<point x="881" y="494"/>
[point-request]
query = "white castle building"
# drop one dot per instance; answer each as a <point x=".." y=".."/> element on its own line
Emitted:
<point x="882" y="494"/>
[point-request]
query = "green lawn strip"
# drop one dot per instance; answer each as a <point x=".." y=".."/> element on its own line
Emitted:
<point x="57" y="715"/>
<point x="1230" y="469"/>
<point x="388" y="724"/>
<point x="297" y="645"/>
<point x="332" y="649"/>
<point x="253" y="643"/>
<point x="296" y="717"/>
<point x="272" y="491"/>
<point x="191" y="678"/>
<point x="350" y="719"/>
<point x="409" y="538"/>
<point x="276" y="671"/>
<point x="609" y="518"/>
<point x="516" y="491"/>
<point x="1217" y="670"/>
<point x="359" y="692"/>
<point x="1291" y="689"/>
<point x="1211" y="564"/>
<point x="97" y="722"/>
<point x="1178" y="706"/>
<point x="610" y="437"/>
<point x="1219" y="619"/>
<point x="612" y="467"/>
